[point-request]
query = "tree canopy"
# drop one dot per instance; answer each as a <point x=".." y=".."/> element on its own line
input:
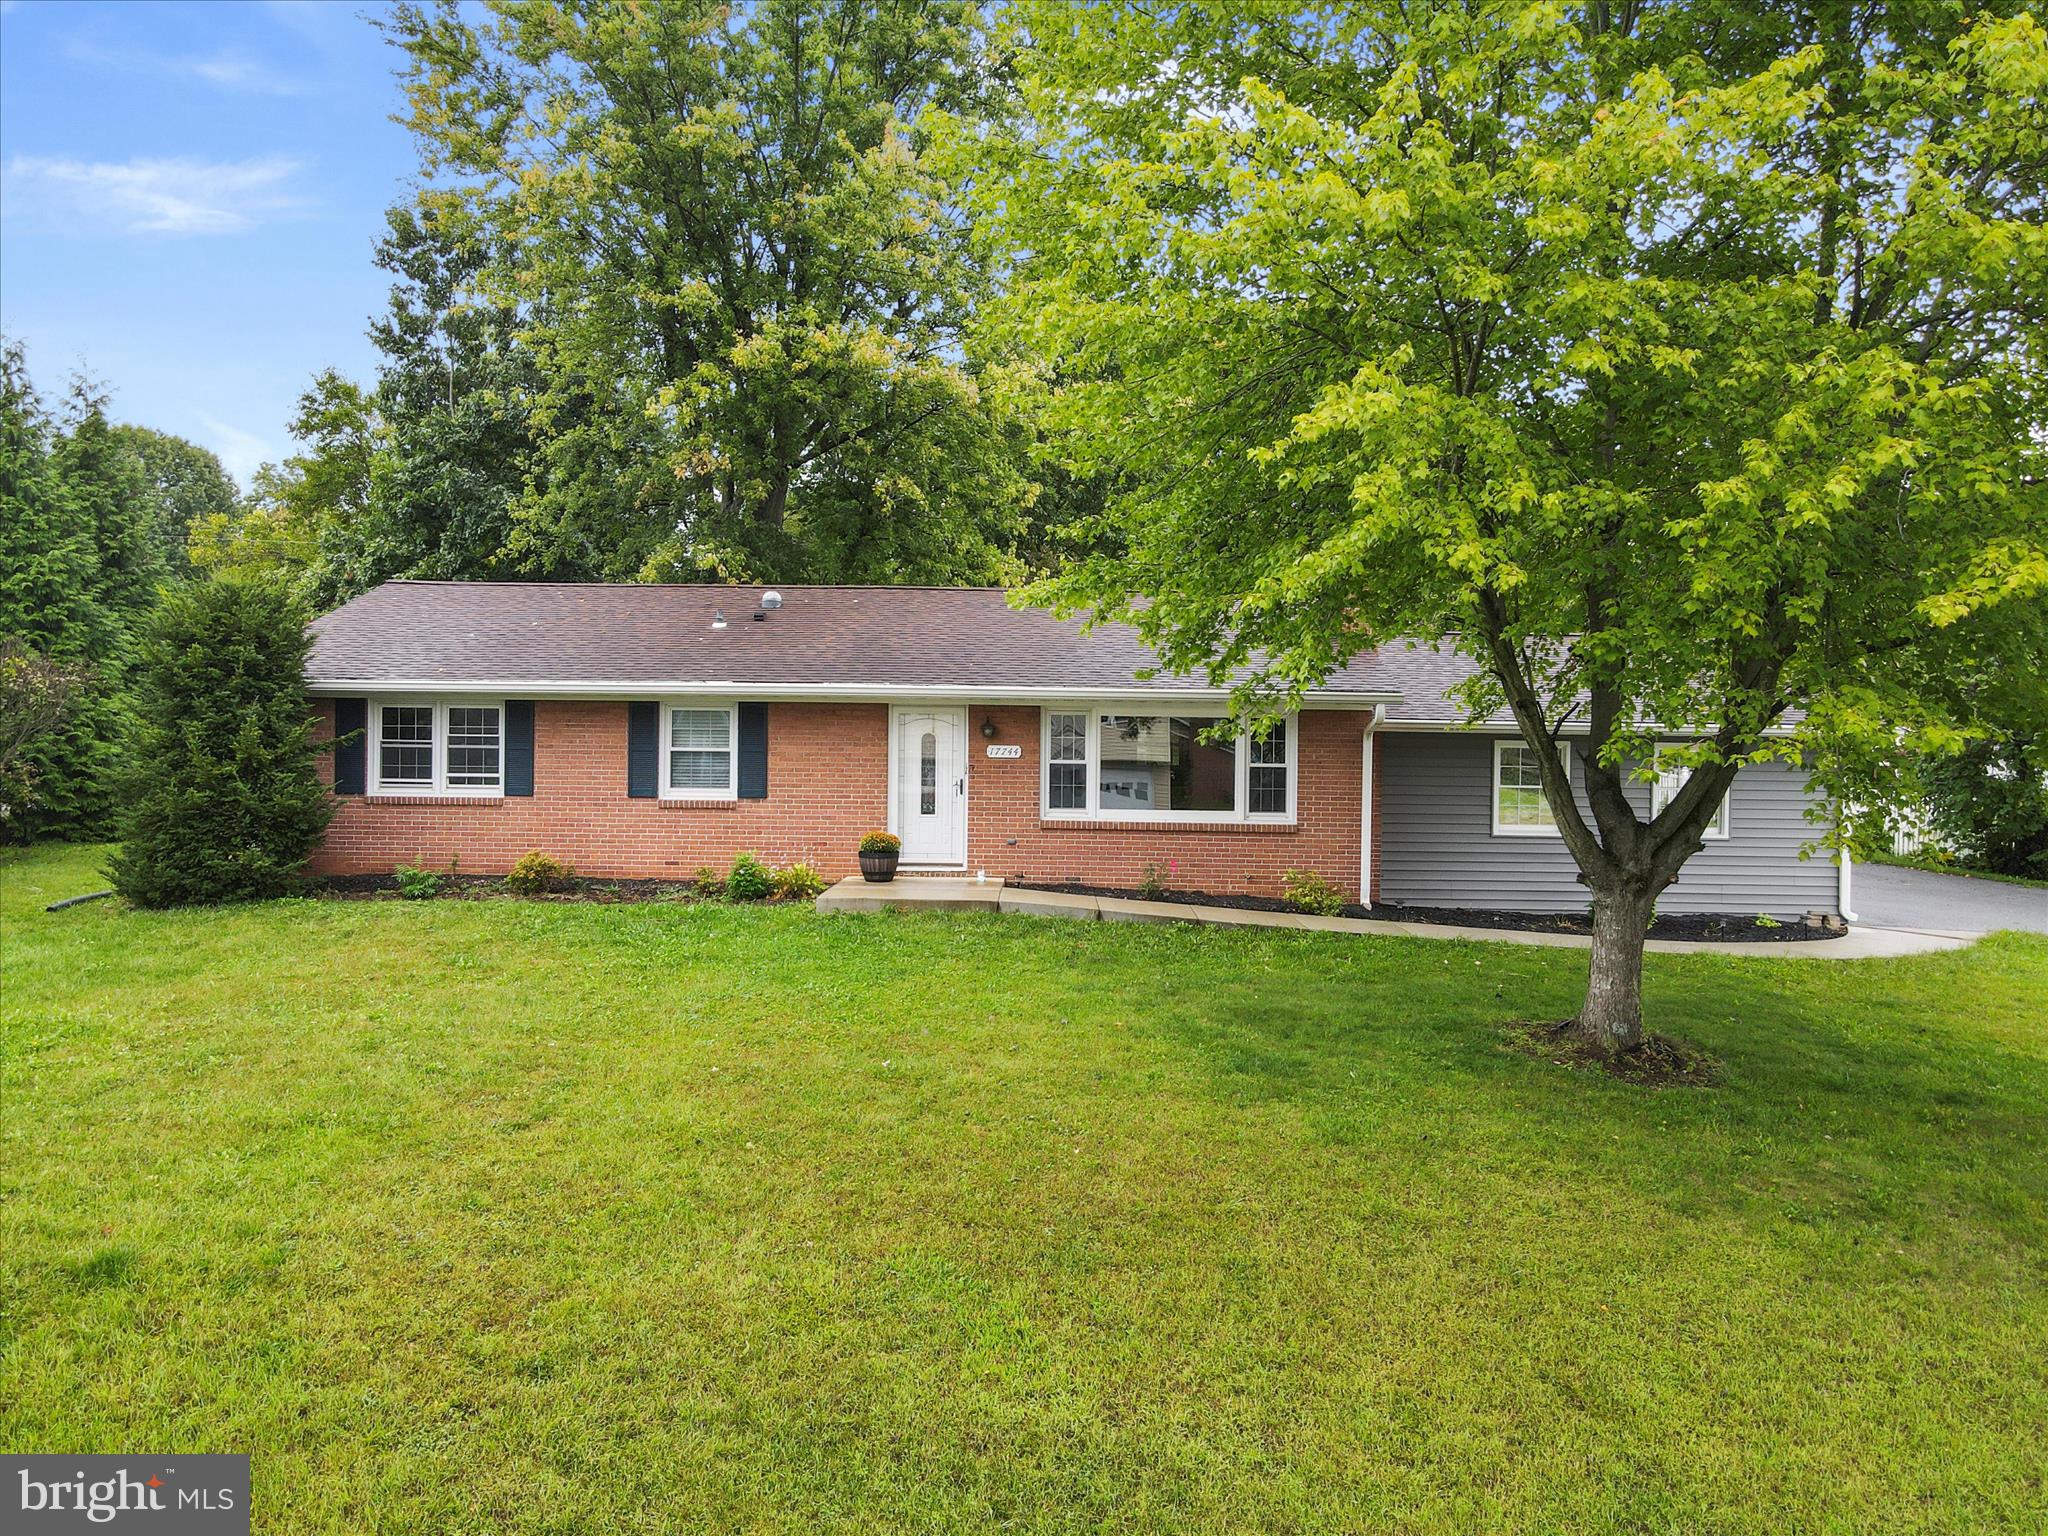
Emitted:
<point x="80" y="559"/>
<point x="183" y="482"/>
<point x="741" y="290"/>
<point x="1679" y="364"/>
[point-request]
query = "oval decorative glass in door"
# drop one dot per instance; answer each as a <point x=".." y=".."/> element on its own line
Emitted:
<point x="929" y="796"/>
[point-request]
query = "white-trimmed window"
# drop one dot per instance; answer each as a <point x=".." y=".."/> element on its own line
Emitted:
<point x="1520" y="807"/>
<point x="1670" y="779"/>
<point x="476" y="746"/>
<point x="1066" y="761"/>
<point x="702" y="763"/>
<point x="437" y="746"/>
<point x="1119" y="764"/>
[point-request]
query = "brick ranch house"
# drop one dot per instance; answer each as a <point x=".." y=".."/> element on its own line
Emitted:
<point x="645" y="731"/>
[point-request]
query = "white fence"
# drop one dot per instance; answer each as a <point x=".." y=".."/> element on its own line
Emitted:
<point x="1914" y="834"/>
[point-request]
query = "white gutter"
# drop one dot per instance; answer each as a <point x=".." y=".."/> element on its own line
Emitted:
<point x="1570" y="728"/>
<point x="1365" y="814"/>
<point x="546" y="688"/>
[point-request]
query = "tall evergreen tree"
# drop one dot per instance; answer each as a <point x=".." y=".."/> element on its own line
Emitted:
<point x="222" y="801"/>
<point x="53" y="603"/>
<point x="105" y="479"/>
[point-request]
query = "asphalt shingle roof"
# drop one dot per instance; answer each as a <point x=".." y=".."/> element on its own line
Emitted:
<point x="832" y="638"/>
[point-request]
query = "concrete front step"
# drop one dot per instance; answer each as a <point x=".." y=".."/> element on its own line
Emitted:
<point x="950" y="892"/>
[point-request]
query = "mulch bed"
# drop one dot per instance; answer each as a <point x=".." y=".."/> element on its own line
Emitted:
<point x="1659" y="1062"/>
<point x="1728" y="926"/>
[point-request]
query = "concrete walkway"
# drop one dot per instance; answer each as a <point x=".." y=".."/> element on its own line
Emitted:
<point x="854" y="894"/>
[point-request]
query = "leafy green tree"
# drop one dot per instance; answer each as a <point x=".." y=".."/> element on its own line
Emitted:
<point x="52" y="607"/>
<point x="185" y="483"/>
<point x="1674" y="363"/>
<point x="741" y="287"/>
<point x="305" y="520"/>
<point x="37" y="694"/>
<point x="456" y="392"/>
<point x="1989" y="802"/>
<point x="222" y="801"/>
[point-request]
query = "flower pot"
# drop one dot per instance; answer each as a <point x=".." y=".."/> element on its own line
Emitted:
<point x="878" y="867"/>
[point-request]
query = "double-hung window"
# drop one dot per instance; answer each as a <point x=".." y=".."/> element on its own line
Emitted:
<point x="1066" y="761"/>
<point x="1670" y="779"/>
<point x="701" y="760"/>
<point x="439" y="746"/>
<point x="1120" y="765"/>
<point x="1520" y="807"/>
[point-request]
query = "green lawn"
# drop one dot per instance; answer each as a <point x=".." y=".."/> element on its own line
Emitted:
<point x="522" y="1217"/>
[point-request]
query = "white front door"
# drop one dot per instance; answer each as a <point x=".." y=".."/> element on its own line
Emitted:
<point x="931" y="786"/>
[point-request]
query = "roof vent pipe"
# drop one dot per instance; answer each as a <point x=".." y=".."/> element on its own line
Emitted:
<point x="718" y="618"/>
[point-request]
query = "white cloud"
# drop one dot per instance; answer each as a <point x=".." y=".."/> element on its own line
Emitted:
<point x="238" y="72"/>
<point x="162" y="196"/>
<point x="230" y="69"/>
<point x="241" y="453"/>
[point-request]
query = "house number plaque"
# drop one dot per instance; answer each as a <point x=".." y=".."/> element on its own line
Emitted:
<point x="1005" y="751"/>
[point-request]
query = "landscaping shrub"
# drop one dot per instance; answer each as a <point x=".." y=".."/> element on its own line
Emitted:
<point x="1151" y="884"/>
<point x="799" y="882"/>
<point x="415" y="883"/>
<point x="881" y="842"/>
<point x="707" y="884"/>
<point x="1990" y="804"/>
<point x="220" y="798"/>
<point x="748" y="879"/>
<point x="538" y="875"/>
<point x="1306" y="891"/>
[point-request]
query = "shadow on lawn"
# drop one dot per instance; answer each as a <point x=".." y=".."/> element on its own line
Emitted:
<point x="1864" y="1090"/>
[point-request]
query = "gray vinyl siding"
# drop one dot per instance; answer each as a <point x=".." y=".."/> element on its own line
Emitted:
<point x="1438" y="849"/>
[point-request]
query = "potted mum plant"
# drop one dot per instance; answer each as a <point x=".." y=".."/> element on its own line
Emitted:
<point x="878" y="854"/>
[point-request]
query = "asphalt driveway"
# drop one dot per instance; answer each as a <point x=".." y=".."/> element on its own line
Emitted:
<point x="1912" y="898"/>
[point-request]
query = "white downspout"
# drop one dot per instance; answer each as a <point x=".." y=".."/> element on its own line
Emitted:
<point x="1365" y="816"/>
<point x="1842" y="902"/>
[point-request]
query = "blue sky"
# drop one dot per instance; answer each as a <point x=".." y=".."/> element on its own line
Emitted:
<point x="189" y="198"/>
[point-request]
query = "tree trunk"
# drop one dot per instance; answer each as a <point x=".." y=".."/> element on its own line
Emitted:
<point x="1611" y="1021"/>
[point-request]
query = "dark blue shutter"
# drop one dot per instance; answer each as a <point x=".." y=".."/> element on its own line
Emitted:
<point x="753" y="751"/>
<point x="352" y="757"/>
<point x="519" y="746"/>
<point x="643" y="751"/>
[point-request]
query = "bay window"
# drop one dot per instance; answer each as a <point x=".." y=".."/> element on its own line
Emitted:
<point x="438" y="746"/>
<point x="1116" y="765"/>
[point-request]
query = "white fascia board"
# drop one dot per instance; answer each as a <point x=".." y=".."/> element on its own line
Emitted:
<point x="1570" y="728"/>
<point x="811" y="692"/>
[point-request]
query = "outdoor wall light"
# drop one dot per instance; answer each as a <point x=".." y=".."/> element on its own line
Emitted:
<point x="988" y="727"/>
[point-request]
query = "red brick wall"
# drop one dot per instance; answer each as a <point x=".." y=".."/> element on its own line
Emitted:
<point x="826" y="767"/>
<point x="827" y="783"/>
<point x="1006" y="835"/>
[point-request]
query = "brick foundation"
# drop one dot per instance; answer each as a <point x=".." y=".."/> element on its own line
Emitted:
<point x="827" y="784"/>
